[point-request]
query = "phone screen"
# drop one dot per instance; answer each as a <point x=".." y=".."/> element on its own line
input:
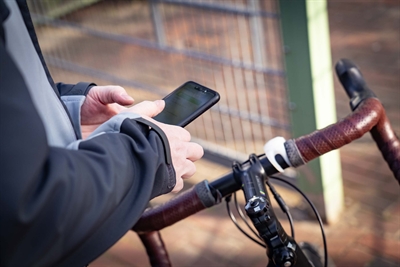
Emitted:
<point x="186" y="103"/>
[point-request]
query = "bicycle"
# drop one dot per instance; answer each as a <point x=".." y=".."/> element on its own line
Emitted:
<point x="253" y="175"/>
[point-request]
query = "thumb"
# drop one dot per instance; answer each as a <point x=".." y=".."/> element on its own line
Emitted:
<point x="148" y="108"/>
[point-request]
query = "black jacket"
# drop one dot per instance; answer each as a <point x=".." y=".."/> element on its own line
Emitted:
<point x="63" y="207"/>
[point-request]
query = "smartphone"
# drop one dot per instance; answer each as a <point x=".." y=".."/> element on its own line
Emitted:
<point x="186" y="103"/>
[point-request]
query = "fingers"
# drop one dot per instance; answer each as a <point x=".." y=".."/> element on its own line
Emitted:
<point x="117" y="108"/>
<point x="194" y="151"/>
<point x="184" y="166"/>
<point x="183" y="152"/>
<point x="148" y="108"/>
<point x="112" y="94"/>
<point x="179" y="185"/>
<point x="190" y="171"/>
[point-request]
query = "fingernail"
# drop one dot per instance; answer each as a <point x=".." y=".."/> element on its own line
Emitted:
<point x="159" y="103"/>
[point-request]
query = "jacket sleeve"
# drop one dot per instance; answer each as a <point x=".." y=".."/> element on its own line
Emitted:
<point x="63" y="207"/>
<point x="81" y="88"/>
<point x="73" y="96"/>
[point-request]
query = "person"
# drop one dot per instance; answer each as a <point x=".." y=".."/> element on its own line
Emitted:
<point x="78" y="165"/>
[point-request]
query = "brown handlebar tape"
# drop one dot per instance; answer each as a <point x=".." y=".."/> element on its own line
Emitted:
<point x="369" y="116"/>
<point x="178" y="208"/>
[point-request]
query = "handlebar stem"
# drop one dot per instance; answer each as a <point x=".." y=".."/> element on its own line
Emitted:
<point x="281" y="248"/>
<point x="252" y="178"/>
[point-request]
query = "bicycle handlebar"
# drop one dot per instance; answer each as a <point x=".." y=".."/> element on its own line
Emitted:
<point x="195" y="199"/>
<point x="183" y="205"/>
<point x="368" y="115"/>
<point x="353" y="82"/>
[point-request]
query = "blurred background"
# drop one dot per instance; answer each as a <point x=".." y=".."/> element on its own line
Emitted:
<point x="236" y="47"/>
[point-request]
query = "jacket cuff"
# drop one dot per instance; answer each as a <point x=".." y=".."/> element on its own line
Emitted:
<point x="161" y="134"/>
<point x="74" y="104"/>
<point x="81" y="88"/>
<point x="165" y="174"/>
<point x="163" y="184"/>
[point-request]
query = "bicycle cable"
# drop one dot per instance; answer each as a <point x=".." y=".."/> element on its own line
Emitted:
<point x="315" y="212"/>
<point x="233" y="219"/>
<point x="284" y="208"/>
<point x="244" y="219"/>
<point x="282" y="205"/>
<point x="240" y="212"/>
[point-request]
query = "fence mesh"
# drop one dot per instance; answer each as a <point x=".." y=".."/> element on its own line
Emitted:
<point x="152" y="47"/>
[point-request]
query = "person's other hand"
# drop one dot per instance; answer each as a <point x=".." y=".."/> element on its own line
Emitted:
<point x="183" y="152"/>
<point x="101" y="103"/>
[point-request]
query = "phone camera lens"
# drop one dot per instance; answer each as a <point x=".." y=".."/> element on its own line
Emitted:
<point x="197" y="87"/>
<point x="205" y="90"/>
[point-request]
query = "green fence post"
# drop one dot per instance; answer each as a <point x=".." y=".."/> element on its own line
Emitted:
<point x="306" y="40"/>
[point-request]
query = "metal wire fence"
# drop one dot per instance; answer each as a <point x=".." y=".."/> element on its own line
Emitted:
<point x="151" y="47"/>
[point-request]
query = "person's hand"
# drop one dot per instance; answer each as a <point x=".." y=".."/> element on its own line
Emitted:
<point x="183" y="152"/>
<point x="101" y="103"/>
